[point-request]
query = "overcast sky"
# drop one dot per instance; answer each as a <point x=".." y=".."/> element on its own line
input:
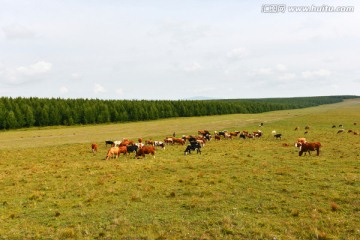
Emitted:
<point x="168" y="49"/>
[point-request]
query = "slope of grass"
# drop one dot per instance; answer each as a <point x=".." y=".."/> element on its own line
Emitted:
<point x="53" y="187"/>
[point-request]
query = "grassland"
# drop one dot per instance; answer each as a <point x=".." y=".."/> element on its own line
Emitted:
<point x="53" y="187"/>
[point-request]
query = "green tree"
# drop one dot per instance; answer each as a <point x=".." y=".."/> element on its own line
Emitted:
<point x="10" y="120"/>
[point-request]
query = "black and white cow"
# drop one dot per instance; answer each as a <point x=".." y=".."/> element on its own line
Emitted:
<point x="192" y="147"/>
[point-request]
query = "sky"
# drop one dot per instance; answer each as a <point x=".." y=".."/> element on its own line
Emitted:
<point x="177" y="49"/>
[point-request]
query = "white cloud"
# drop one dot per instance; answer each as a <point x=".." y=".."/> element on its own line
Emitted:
<point x="35" y="69"/>
<point x="75" y="76"/>
<point x="316" y="73"/>
<point x="119" y="91"/>
<point x="237" y="53"/>
<point x="64" y="90"/>
<point x="17" y="31"/>
<point x="287" y="76"/>
<point x="24" y="74"/>
<point x="98" y="89"/>
<point x="281" y="67"/>
<point x="194" y="67"/>
<point x="261" y="71"/>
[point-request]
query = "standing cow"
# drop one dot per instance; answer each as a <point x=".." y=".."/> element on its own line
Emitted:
<point x="145" y="150"/>
<point x="307" y="147"/>
<point x="94" y="147"/>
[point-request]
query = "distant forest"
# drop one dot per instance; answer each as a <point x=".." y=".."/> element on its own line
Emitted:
<point x="38" y="112"/>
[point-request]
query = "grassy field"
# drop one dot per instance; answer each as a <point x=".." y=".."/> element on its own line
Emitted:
<point x="53" y="187"/>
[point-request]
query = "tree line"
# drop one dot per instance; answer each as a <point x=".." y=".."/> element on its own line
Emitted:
<point x="38" y="112"/>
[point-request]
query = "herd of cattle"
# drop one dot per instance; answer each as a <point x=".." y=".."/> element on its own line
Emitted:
<point x="196" y="142"/>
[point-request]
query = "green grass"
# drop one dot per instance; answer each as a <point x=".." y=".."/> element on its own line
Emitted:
<point x="53" y="187"/>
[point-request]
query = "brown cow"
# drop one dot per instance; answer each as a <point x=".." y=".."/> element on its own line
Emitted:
<point x="235" y="134"/>
<point x="178" y="140"/>
<point x="203" y="132"/>
<point x="94" y="147"/>
<point x="126" y="142"/>
<point x="307" y="147"/>
<point x="115" y="151"/>
<point x="145" y="150"/>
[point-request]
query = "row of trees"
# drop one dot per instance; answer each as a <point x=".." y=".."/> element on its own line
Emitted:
<point x="29" y="112"/>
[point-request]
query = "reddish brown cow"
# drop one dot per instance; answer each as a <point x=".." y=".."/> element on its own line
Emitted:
<point x="145" y="150"/>
<point x="307" y="147"/>
<point x="94" y="147"/>
<point x="179" y="140"/>
<point x="203" y="132"/>
<point x="235" y="134"/>
<point x="127" y="142"/>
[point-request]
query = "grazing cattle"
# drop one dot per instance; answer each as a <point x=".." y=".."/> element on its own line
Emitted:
<point x="131" y="148"/>
<point x="273" y="132"/>
<point x="356" y="133"/>
<point x="340" y="130"/>
<point x="159" y="144"/>
<point x="307" y="127"/>
<point x="94" y="147"/>
<point x="178" y="140"/>
<point x="349" y="131"/>
<point x="203" y="132"/>
<point x="306" y="132"/>
<point x="278" y="136"/>
<point x="126" y="142"/>
<point x="258" y="133"/>
<point x="149" y="142"/>
<point x="333" y="126"/>
<point x="217" y="137"/>
<point x="192" y="147"/>
<point x="234" y="134"/>
<point x="341" y="126"/>
<point x="307" y="147"/>
<point x="355" y="123"/>
<point x="227" y="136"/>
<point x="140" y="145"/>
<point x="116" y="143"/>
<point x="207" y="137"/>
<point x="201" y="142"/>
<point x="115" y="151"/>
<point x="249" y="135"/>
<point x="297" y="128"/>
<point x="243" y="135"/>
<point x="169" y="140"/>
<point x="261" y="124"/>
<point x="145" y="150"/>
<point x="109" y="142"/>
<point x="222" y="133"/>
